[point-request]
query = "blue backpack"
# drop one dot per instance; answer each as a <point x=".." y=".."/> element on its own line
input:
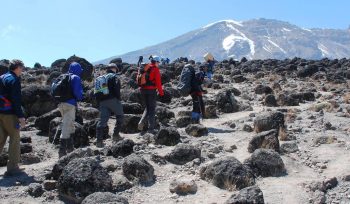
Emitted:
<point x="5" y="103"/>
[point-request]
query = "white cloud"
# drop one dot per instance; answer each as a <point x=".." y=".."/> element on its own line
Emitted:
<point x="8" y="30"/>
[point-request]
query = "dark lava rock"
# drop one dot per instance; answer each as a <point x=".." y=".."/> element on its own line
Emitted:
<point x="269" y="121"/>
<point x="164" y="114"/>
<point x="226" y="102"/>
<point x="132" y="108"/>
<point x="270" y="100"/>
<point x="196" y="130"/>
<point x="88" y="113"/>
<point x="289" y="147"/>
<point x="123" y="148"/>
<point x="247" y="128"/>
<point x="87" y="67"/>
<point x="35" y="189"/>
<point x="266" y="140"/>
<point x="261" y="89"/>
<point x="62" y="162"/>
<point x="249" y="195"/>
<point x="82" y="177"/>
<point x="30" y="158"/>
<point x="286" y="100"/>
<point x="265" y="163"/>
<point x="3" y="159"/>
<point x="228" y="173"/>
<point x="37" y="100"/>
<point x="307" y="71"/>
<point x="183" y="153"/>
<point x="42" y="122"/>
<point x="183" y="121"/>
<point x="130" y="124"/>
<point x="168" y="136"/>
<point x="26" y="148"/>
<point x="26" y="139"/>
<point x="104" y="198"/>
<point x="136" y="168"/>
<point x="239" y="78"/>
<point x="58" y="63"/>
<point x="210" y="111"/>
<point x="90" y="129"/>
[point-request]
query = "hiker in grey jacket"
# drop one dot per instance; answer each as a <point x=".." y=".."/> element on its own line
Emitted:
<point x="109" y="104"/>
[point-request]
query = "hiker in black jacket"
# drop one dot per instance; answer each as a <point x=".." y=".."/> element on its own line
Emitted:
<point x="109" y="104"/>
<point x="197" y="95"/>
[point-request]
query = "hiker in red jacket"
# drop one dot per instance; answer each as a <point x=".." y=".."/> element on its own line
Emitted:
<point x="150" y="81"/>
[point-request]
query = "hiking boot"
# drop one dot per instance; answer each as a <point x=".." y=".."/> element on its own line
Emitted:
<point x="116" y="137"/>
<point x="14" y="172"/>
<point x="63" y="148"/>
<point x="99" y="143"/>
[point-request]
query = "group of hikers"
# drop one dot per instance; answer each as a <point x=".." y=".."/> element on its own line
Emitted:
<point x="68" y="91"/>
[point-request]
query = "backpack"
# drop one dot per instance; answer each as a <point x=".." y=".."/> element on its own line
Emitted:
<point x="143" y="75"/>
<point x="61" y="89"/>
<point x="184" y="86"/>
<point x="5" y="104"/>
<point x="101" y="89"/>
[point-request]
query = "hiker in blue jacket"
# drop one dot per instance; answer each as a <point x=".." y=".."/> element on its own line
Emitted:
<point x="68" y="109"/>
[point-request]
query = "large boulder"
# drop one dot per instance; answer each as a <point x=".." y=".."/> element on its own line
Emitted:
<point x="267" y="140"/>
<point x="251" y="194"/>
<point x="104" y="198"/>
<point x="80" y="136"/>
<point x="164" y="115"/>
<point x="226" y="102"/>
<point x="269" y="121"/>
<point x="168" y="136"/>
<point x="58" y="63"/>
<point x="123" y="148"/>
<point x="4" y="66"/>
<point x="183" y="121"/>
<point x="132" y="108"/>
<point x="87" y="67"/>
<point x="37" y="100"/>
<point x="82" y="177"/>
<point x="183" y="153"/>
<point x="228" y="173"/>
<point x="196" y="130"/>
<point x="262" y="89"/>
<point x="130" y="124"/>
<point x="265" y="163"/>
<point x="137" y="169"/>
<point x="62" y="162"/>
<point x="42" y="122"/>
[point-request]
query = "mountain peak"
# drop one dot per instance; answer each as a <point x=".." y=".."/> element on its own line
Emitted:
<point x="254" y="39"/>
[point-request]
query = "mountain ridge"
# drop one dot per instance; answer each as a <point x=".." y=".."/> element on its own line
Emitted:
<point x="254" y="39"/>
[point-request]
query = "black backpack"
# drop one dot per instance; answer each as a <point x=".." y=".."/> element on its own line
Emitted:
<point x="186" y="77"/>
<point x="61" y="89"/>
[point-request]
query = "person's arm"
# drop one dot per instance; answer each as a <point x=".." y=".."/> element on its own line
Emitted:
<point x="16" y="98"/>
<point x="158" y="78"/>
<point x="117" y="88"/>
<point x="77" y="88"/>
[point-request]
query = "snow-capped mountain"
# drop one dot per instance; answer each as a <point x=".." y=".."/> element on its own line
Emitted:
<point x="253" y="39"/>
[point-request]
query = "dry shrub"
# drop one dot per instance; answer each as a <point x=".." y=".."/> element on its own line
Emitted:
<point x="346" y="98"/>
<point x="329" y="107"/>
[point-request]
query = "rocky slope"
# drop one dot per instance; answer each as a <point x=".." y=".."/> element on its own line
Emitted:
<point x="276" y="131"/>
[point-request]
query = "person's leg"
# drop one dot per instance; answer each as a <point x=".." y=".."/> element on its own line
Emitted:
<point x="68" y="118"/>
<point x="196" y="109"/>
<point x="102" y="123"/>
<point x="151" y="109"/>
<point x="117" y="108"/>
<point x="144" y="117"/>
<point x="201" y="105"/>
<point x="3" y="133"/>
<point x="12" y="128"/>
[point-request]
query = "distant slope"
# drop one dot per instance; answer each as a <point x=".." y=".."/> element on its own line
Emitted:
<point x="254" y="39"/>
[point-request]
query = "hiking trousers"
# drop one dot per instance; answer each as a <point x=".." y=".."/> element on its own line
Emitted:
<point x="198" y="104"/>
<point x="68" y="118"/>
<point x="149" y="114"/>
<point x="107" y="107"/>
<point x="9" y="126"/>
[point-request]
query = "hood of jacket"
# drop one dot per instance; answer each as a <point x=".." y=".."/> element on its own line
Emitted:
<point x="75" y="68"/>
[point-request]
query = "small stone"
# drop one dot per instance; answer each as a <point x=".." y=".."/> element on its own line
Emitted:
<point x="247" y="128"/>
<point x="183" y="186"/>
<point x="35" y="189"/>
<point x="49" y="185"/>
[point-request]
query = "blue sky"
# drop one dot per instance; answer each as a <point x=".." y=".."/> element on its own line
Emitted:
<point x="46" y="30"/>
